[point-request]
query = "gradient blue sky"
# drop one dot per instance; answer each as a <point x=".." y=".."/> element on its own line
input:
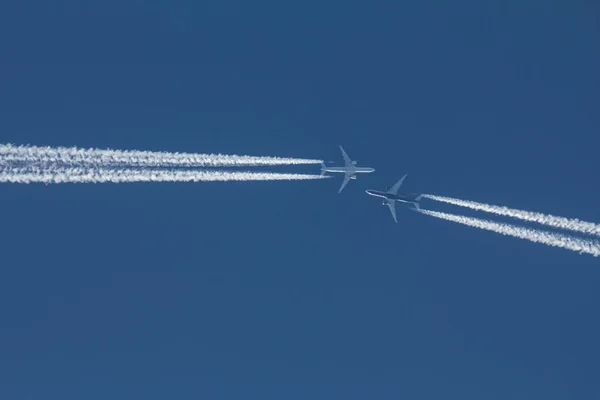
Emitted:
<point x="288" y="290"/>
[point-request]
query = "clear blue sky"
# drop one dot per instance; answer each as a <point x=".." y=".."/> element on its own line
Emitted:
<point x="288" y="290"/>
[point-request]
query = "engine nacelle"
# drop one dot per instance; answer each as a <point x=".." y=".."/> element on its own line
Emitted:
<point x="354" y="162"/>
<point x="353" y="177"/>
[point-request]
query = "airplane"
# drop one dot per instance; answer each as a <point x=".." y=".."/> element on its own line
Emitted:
<point x="391" y="196"/>
<point x="349" y="170"/>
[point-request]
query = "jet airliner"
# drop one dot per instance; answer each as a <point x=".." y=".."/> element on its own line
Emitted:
<point x="349" y="169"/>
<point x="391" y="196"/>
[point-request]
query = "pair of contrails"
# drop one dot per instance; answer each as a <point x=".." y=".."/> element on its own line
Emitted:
<point x="34" y="164"/>
<point x="579" y="244"/>
<point x="390" y="195"/>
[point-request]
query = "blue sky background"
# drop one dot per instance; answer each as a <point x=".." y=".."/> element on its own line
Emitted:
<point x="286" y="289"/>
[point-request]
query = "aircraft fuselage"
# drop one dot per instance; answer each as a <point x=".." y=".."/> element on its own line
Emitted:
<point x="410" y="198"/>
<point x="356" y="170"/>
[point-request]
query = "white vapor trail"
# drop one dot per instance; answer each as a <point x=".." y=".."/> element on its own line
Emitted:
<point x="572" y="224"/>
<point x="549" y="238"/>
<point x="104" y="175"/>
<point x="135" y="158"/>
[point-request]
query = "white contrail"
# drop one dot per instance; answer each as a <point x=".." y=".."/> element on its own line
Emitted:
<point x="571" y="224"/>
<point x="98" y="157"/>
<point x="579" y="245"/>
<point x="100" y="175"/>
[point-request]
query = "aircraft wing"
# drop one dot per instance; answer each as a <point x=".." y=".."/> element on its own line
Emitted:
<point x="347" y="177"/>
<point x="347" y="159"/>
<point x="395" y="188"/>
<point x="392" y="206"/>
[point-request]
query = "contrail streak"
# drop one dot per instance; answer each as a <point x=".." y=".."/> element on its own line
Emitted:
<point x="549" y="238"/>
<point x="99" y="175"/>
<point x="135" y="158"/>
<point x="571" y="224"/>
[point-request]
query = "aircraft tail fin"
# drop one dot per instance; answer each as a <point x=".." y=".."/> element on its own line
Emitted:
<point x="323" y="167"/>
